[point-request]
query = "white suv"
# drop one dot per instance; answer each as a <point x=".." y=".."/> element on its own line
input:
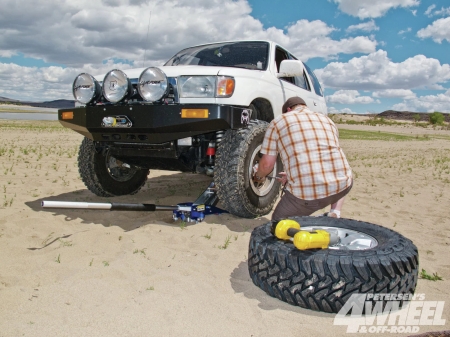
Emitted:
<point x="205" y="110"/>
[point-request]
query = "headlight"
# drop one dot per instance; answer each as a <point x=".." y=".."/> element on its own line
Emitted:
<point x="85" y="88"/>
<point x="152" y="84"/>
<point x="197" y="86"/>
<point x="116" y="86"/>
<point x="205" y="86"/>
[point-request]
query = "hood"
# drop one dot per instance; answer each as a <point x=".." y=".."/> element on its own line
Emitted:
<point x="171" y="71"/>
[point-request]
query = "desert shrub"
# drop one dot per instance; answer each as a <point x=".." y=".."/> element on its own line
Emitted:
<point x="437" y="118"/>
<point x="416" y="118"/>
<point x="334" y="118"/>
<point x="351" y="122"/>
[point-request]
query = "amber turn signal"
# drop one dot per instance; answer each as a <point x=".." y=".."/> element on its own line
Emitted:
<point x="194" y="113"/>
<point x="225" y="86"/>
<point x="67" y="115"/>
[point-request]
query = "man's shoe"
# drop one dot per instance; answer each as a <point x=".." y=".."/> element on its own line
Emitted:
<point x="330" y="215"/>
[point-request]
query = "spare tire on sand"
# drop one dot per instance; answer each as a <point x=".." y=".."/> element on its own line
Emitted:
<point x="369" y="259"/>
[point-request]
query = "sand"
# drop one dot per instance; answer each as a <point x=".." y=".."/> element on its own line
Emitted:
<point x="101" y="273"/>
<point x="26" y="108"/>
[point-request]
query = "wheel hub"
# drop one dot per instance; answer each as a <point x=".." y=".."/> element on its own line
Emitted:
<point x="263" y="188"/>
<point x="348" y="239"/>
<point x="119" y="170"/>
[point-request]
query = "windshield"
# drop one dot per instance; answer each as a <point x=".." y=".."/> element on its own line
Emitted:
<point x="246" y="54"/>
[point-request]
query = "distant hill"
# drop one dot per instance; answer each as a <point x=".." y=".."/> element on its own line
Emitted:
<point x="409" y="116"/>
<point x="5" y="99"/>
<point x="56" y="104"/>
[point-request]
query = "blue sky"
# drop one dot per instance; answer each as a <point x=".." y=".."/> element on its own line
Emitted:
<point x="395" y="32"/>
<point x="370" y="55"/>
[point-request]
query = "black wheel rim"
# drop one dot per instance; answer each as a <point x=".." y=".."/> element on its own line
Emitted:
<point x="119" y="170"/>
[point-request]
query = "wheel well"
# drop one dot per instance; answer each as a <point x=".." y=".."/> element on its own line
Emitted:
<point x="264" y="109"/>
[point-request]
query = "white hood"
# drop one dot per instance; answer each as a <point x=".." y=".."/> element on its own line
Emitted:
<point x="171" y="71"/>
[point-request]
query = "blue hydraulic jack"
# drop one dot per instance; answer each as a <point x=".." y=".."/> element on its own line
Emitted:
<point x="188" y="212"/>
<point x="197" y="210"/>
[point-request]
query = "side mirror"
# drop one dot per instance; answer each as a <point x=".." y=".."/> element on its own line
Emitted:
<point x="290" y="68"/>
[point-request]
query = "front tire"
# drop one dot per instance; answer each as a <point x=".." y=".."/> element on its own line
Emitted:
<point x="324" y="279"/>
<point x="236" y="155"/>
<point x="106" y="176"/>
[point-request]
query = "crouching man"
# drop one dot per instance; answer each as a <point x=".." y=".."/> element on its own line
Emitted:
<point x="317" y="173"/>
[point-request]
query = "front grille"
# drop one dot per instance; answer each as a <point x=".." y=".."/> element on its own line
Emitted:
<point x="125" y="137"/>
<point x="173" y="90"/>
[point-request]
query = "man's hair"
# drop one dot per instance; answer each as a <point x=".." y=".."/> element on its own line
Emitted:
<point x="292" y="102"/>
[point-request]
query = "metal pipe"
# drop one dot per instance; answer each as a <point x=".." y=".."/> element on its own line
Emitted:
<point x="73" y="204"/>
<point x="107" y="206"/>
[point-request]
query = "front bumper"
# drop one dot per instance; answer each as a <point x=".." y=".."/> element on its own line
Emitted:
<point x="151" y="124"/>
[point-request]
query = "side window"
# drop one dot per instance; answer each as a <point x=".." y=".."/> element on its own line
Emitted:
<point x="281" y="55"/>
<point x="315" y="81"/>
<point x="302" y="82"/>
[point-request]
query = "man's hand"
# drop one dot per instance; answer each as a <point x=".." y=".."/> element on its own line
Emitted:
<point x="257" y="179"/>
<point x="283" y="178"/>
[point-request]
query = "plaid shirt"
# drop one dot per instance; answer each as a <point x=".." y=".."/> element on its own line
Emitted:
<point x="308" y="144"/>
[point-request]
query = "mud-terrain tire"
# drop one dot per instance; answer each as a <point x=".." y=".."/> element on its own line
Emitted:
<point x="324" y="279"/>
<point x="104" y="177"/>
<point x="235" y="157"/>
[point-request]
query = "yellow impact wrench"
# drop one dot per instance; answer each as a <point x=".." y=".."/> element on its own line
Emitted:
<point x="302" y="239"/>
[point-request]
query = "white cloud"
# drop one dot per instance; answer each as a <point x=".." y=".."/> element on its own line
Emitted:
<point x="364" y="9"/>
<point x="429" y="10"/>
<point x="441" y="12"/>
<point x="395" y="93"/>
<point x="314" y="34"/>
<point x="439" y="30"/>
<point x="429" y="103"/>
<point x="365" y="26"/>
<point x="432" y="87"/>
<point x="84" y="34"/>
<point x="333" y="110"/>
<point x="349" y="97"/>
<point x="377" y="72"/>
<point x="407" y="30"/>
<point x="47" y="83"/>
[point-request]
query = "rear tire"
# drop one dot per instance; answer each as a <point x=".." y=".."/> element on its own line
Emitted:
<point x="106" y="176"/>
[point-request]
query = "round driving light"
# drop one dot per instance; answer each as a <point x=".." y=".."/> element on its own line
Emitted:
<point x="85" y="88"/>
<point x="116" y="86"/>
<point x="152" y="84"/>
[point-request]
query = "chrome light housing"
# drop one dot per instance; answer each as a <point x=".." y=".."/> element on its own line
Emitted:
<point x="85" y="88"/>
<point x="116" y="86"/>
<point x="153" y="84"/>
<point x="197" y="86"/>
